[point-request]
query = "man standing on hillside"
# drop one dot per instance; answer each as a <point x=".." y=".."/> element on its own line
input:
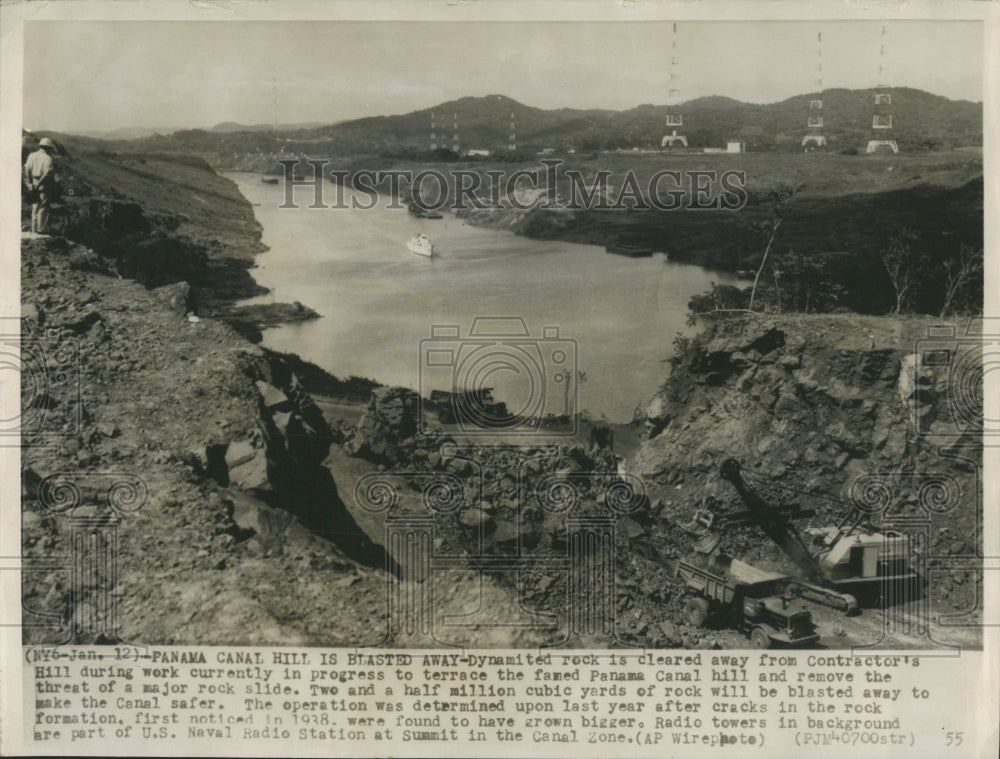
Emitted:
<point x="39" y="177"/>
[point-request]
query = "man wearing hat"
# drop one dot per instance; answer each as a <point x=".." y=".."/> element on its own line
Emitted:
<point x="39" y="179"/>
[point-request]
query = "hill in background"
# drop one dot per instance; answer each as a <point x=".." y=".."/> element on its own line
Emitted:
<point x="922" y="122"/>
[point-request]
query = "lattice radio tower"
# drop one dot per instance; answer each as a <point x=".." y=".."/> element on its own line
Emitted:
<point x="674" y="118"/>
<point x="814" y="137"/>
<point x="882" y="116"/>
<point x="434" y="144"/>
<point x="454" y="139"/>
<point x="512" y="145"/>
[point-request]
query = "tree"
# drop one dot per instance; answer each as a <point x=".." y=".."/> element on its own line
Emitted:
<point x="903" y="263"/>
<point x="961" y="274"/>
<point x="810" y="286"/>
<point x="779" y="200"/>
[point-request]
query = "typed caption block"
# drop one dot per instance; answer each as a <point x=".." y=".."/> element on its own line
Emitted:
<point x="297" y="701"/>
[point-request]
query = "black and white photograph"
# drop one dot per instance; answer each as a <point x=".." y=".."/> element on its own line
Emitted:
<point x="350" y="342"/>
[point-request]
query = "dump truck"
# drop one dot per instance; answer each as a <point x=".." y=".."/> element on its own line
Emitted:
<point x="852" y="559"/>
<point x="759" y="604"/>
<point x="841" y="563"/>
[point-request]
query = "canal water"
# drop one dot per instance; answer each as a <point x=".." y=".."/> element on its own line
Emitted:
<point x="560" y="325"/>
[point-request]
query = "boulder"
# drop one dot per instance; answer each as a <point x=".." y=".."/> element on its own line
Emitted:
<point x="755" y="341"/>
<point x="391" y="417"/>
<point x="657" y="407"/>
<point x="670" y="633"/>
<point x="32" y="317"/>
<point x="240" y="452"/>
<point x="787" y="404"/>
<point x="83" y="259"/>
<point x="82" y="325"/>
<point x="470" y="517"/>
<point x="631" y="528"/>
<point x="247" y="466"/>
<point x="271" y="395"/>
<point x="506" y="531"/>
<point x="256" y="519"/>
<point x="847" y="440"/>
<point x="281" y="421"/>
<point x="175" y="297"/>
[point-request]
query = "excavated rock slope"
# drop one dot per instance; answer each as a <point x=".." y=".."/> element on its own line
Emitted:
<point x="832" y="413"/>
<point x="215" y="429"/>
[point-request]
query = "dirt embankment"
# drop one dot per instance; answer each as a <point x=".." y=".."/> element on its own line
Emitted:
<point x="132" y="375"/>
<point x="831" y="413"/>
<point x="244" y="528"/>
<point x="243" y="531"/>
<point x="165" y="218"/>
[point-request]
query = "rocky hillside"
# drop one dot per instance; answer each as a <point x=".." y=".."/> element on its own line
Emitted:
<point x="160" y="219"/>
<point x="828" y="412"/>
<point x="235" y="540"/>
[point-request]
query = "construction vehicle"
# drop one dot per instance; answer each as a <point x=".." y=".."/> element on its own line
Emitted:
<point x="841" y="563"/>
<point x="757" y="603"/>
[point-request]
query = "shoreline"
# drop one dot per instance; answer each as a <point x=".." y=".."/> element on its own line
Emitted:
<point x="308" y="310"/>
<point x="299" y="312"/>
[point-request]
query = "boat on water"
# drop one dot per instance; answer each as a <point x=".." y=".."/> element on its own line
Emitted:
<point x="421" y="245"/>
<point x="269" y="180"/>
<point x="632" y="251"/>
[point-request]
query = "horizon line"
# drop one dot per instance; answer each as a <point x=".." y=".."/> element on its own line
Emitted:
<point x="166" y="131"/>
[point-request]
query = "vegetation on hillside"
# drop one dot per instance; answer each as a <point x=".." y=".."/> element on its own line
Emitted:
<point x="922" y="121"/>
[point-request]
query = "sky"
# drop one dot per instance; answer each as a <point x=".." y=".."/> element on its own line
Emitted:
<point x="103" y="75"/>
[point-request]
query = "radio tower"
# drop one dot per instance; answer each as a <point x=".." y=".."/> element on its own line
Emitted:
<point x="674" y="119"/>
<point x="454" y="139"/>
<point x="434" y="144"/>
<point x="512" y="146"/>
<point x="814" y="138"/>
<point x="882" y="116"/>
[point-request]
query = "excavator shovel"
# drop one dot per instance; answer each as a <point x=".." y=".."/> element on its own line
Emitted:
<point x="701" y="528"/>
